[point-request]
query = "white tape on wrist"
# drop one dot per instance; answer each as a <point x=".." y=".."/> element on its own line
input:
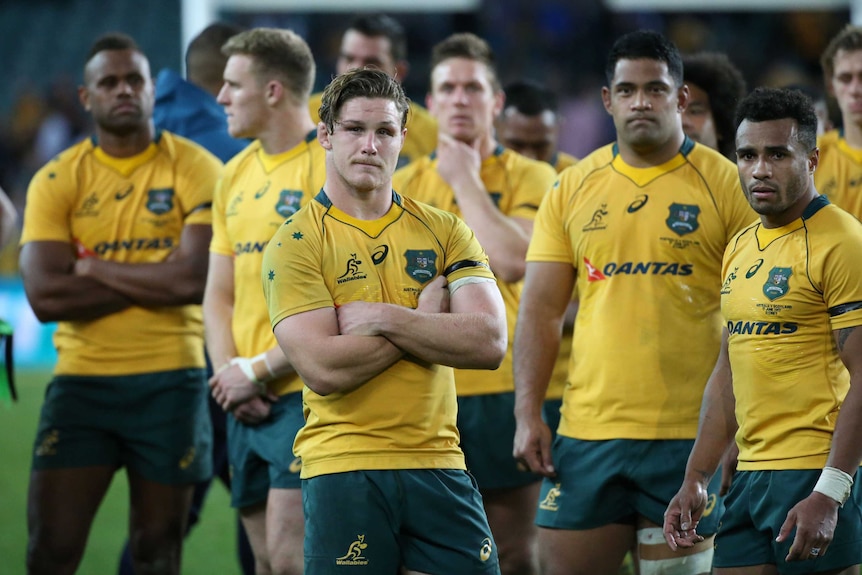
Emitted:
<point x="835" y="484"/>
<point x="245" y="365"/>
<point x="263" y="357"/>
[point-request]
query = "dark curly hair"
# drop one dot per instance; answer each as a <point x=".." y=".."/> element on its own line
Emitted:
<point x="715" y="74"/>
<point x="765" y="104"/>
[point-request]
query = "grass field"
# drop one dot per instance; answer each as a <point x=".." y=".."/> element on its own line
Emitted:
<point x="209" y="549"/>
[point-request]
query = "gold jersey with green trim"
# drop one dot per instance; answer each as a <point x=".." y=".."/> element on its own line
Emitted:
<point x="421" y="136"/>
<point x="647" y="245"/>
<point x="839" y="173"/>
<point x="257" y="193"/>
<point x="785" y="291"/>
<point x="405" y="417"/>
<point x="126" y="210"/>
<point x="557" y="385"/>
<point x="516" y="184"/>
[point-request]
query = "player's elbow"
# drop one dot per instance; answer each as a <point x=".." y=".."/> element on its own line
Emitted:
<point x="188" y="292"/>
<point x="489" y="351"/>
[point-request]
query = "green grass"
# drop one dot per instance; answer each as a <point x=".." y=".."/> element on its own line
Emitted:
<point x="209" y="549"/>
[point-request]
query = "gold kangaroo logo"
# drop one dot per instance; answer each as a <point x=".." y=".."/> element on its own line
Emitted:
<point x="354" y="553"/>
<point x="549" y="503"/>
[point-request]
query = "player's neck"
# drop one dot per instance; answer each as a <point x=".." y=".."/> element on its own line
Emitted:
<point x="125" y="145"/>
<point x="653" y="156"/>
<point x="367" y="205"/>
<point x="853" y="135"/>
<point x="286" y="130"/>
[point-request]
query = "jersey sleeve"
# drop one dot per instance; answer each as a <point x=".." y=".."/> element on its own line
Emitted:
<point x="535" y="181"/>
<point x="842" y="282"/>
<point x="198" y="172"/>
<point x="550" y="242"/>
<point x="50" y="201"/>
<point x="292" y="271"/>
<point x="220" y="243"/>
<point x="465" y="258"/>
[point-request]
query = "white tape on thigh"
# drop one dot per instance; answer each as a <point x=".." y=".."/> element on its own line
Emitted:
<point x="689" y="565"/>
<point x="651" y="536"/>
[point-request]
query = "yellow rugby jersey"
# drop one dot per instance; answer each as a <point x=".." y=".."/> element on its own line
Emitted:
<point x="785" y="290"/>
<point x="421" y="136"/>
<point x="557" y="385"/>
<point x="839" y="174"/>
<point x="258" y="192"/>
<point x="647" y="245"/>
<point x="127" y="210"/>
<point x="516" y="185"/>
<point x="405" y="417"/>
<point x="562" y="160"/>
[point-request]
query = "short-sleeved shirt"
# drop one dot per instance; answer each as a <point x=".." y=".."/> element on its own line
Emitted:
<point x="786" y="289"/>
<point x="647" y="246"/>
<point x="421" y="136"/>
<point x="321" y="257"/>
<point x="839" y="173"/>
<point x="126" y="210"/>
<point x="516" y="185"/>
<point x="258" y="192"/>
<point x="557" y="385"/>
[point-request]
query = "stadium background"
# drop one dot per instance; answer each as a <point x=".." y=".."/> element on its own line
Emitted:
<point x="559" y="42"/>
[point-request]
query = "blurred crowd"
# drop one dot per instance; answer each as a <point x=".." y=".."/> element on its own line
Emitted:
<point x="555" y="42"/>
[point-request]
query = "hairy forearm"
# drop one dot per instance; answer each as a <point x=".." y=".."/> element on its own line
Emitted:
<point x="337" y="363"/>
<point x="846" y="452"/>
<point x="218" y="311"/>
<point x="461" y="340"/>
<point x="717" y="425"/>
<point x="537" y="345"/>
<point x="65" y="297"/>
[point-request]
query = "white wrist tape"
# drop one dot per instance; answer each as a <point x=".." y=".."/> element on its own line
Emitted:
<point x="835" y="484"/>
<point x="245" y="365"/>
<point x="265" y="359"/>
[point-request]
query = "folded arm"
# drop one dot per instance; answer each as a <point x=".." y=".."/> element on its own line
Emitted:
<point x="327" y="361"/>
<point x="178" y="280"/>
<point x="472" y="335"/>
<point x="56" y="293"/>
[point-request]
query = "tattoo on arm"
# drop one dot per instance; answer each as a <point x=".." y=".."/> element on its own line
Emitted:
<point x="842" y="336"/>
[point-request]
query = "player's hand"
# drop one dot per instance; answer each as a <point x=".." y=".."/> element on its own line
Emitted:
<point x="230" y="387"/>
<point x="458" y="162"/>
<point x="435" y="296"/>
<point x="728" y="467"/>
<point x="252" y="412"/>
<point x="532" y="445"/>
<point x="683" y="514"/>
<point x="814" y="518"/>
<point x="359" y="318"/>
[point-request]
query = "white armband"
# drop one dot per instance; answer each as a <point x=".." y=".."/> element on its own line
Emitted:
<point x="835" y="484"/>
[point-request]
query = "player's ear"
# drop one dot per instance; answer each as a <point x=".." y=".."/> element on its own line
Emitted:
<point x="323" y="136"/>
<point x="84" y="97"/>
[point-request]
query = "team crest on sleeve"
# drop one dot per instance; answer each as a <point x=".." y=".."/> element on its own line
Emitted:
<point x="289" y="202"/>
<point x="777" y="283"/>
<point x="160" y="201"/>
<point x="421" y="265"/>
<point x="682" y="219"/>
